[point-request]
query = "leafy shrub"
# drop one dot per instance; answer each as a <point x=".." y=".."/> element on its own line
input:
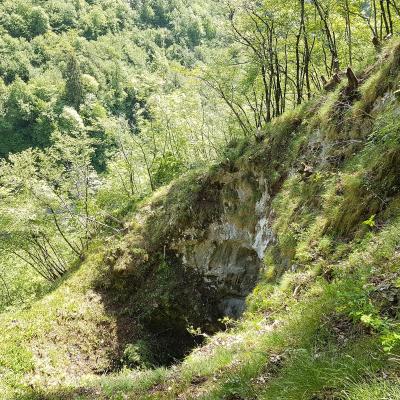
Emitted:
<point x="137" y="355"/>
<point x="166" y="168"/>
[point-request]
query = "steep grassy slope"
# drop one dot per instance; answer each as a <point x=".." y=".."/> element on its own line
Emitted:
<point x="323" y="319"/>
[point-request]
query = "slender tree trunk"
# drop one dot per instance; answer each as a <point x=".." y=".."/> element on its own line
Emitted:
<point x="286" y="78"/>
<point x="349" y="34"/>
<point x="396" y="7"/>
<point x="384" y="17"/>
<point x="374" y="8"/>
<point x="267" y="92"/>
<point x="330" y="36"/>
<point x="75" y="249"/>
<point x="389" y="12"/>
<point x="298" y="69"/>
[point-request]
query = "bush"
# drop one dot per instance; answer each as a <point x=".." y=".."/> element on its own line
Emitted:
<point x="137" y="355"/>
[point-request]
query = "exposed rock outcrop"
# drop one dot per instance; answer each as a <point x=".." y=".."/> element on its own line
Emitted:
<point x="228" y="253"/>
<point x="225" y="247"/>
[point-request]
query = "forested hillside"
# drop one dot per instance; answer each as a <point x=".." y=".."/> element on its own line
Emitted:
<point x="199" y="200"/>
<point x="100" y="105"/>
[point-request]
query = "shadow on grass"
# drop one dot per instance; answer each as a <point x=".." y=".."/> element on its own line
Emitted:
<point x="65" y="394"/>
<point x="154" y="311"/>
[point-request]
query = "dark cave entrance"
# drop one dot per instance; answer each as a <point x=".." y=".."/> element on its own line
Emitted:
<point x="163" y="316"/>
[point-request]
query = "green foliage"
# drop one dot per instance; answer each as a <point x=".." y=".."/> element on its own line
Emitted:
<point x="22" y="19"/>
<point x="74" y="85"/>
<point x="101" y="104"/>
<point x="98" y="77"/>
<point x="370" y="221"/>
<point x="108" y="63"/>
<point x="137" y="355"/>
<point x="166" y="168"/>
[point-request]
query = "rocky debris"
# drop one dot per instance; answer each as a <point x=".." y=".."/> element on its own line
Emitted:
<point x="305" y="170"/>
<point x="386" y="293"/>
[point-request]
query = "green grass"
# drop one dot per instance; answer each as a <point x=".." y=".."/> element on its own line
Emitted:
<point x="375" y="390"/>
<point x="323" y="321"/>
<point x="43" y="343"/>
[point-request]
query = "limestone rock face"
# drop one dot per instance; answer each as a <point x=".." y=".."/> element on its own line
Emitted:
<point x="219" y="235"/>
<point x="229" y="252"/>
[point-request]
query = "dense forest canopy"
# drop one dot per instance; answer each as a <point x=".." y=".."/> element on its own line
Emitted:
<point x="87" y="55"/>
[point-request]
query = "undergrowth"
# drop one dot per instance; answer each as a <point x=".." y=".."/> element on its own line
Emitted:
<point x="323" y="321"/>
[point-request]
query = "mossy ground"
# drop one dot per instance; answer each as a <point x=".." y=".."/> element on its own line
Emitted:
<point x="323" y="321"/>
